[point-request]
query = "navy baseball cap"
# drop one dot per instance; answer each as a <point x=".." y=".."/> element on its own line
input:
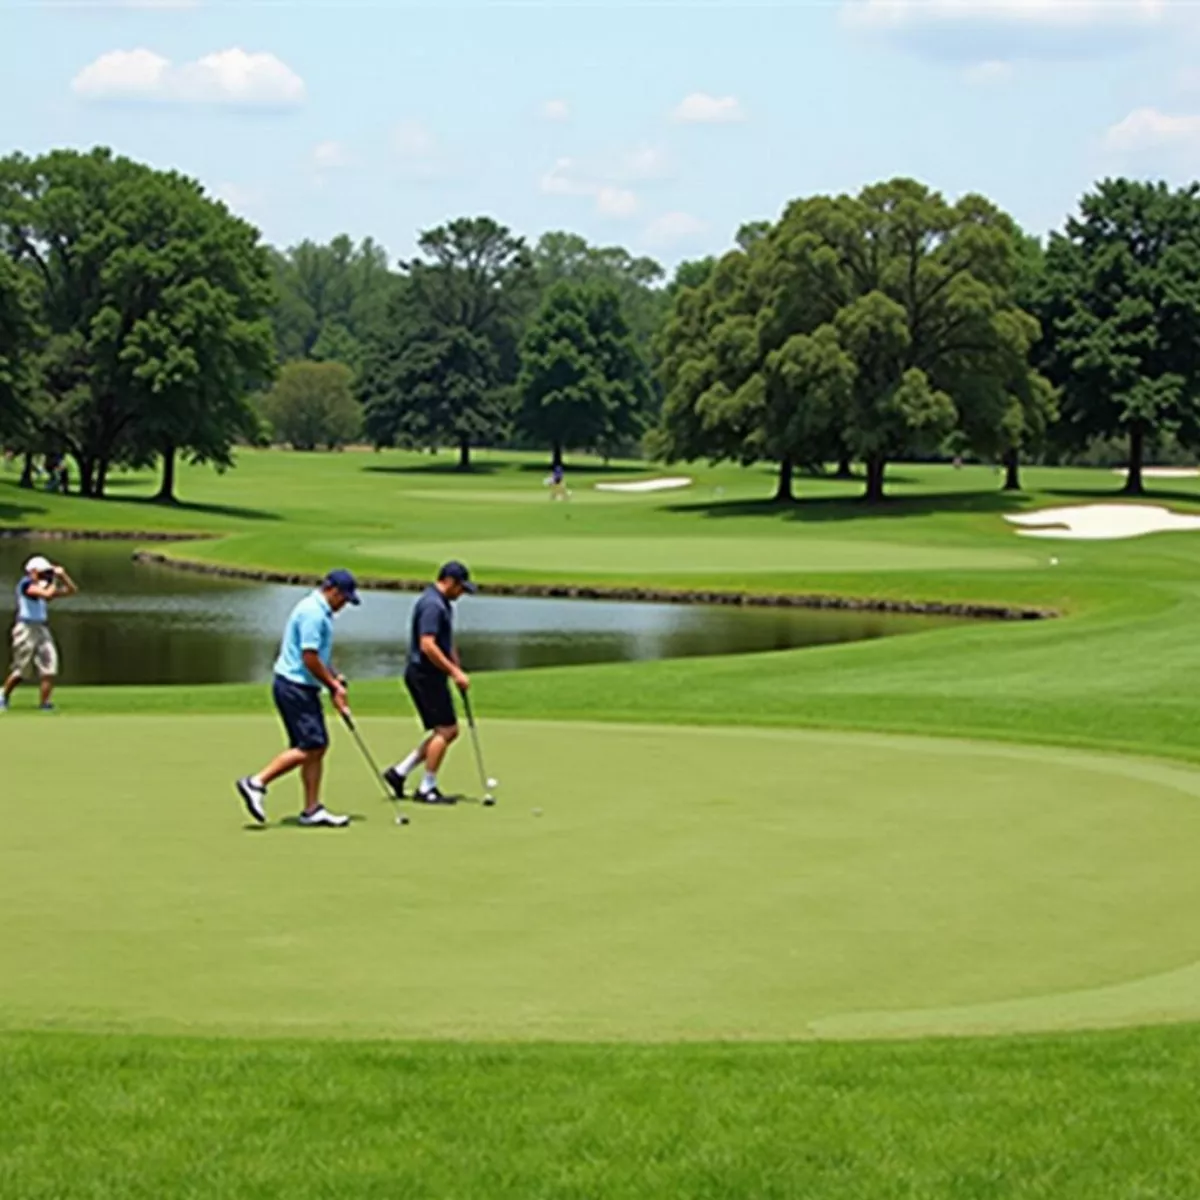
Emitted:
<point x="345" y="583"/>
<point x="460" y="574"/>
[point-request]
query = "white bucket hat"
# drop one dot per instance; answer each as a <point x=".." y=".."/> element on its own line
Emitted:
<point x="37" y="564"/>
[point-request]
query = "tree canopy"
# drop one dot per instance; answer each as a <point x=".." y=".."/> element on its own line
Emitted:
<point x="583" y="383"/>
<point x="441" y="369"/>
<point x="155" y="301"/>
<point x="1121" y="306"/>
<point x="312" y="404"/>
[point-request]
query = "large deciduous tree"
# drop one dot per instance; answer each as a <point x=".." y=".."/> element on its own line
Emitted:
<point x="1121" y="311"/>
<point x="329" y="298"/>
<point x="583" y="382"/>
<point x="441" y="369"/>
<point x="155" y="300"/>
<point x="17" y="334"/>
<point x="312" y="404"/>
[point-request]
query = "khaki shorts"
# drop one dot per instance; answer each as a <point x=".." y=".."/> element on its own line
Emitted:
<point x="33" y="647"/>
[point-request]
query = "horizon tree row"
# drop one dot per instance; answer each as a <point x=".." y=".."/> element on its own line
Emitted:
<point x="140" y="321"/>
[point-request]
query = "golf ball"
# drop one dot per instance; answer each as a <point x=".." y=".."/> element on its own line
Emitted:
<point x="1054" y="562"/>
<point x="493" y="783"/>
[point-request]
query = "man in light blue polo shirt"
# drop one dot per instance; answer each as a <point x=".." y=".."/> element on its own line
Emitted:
<point x="303" y="668"/>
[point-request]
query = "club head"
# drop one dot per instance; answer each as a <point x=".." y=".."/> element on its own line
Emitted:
<point x="489" y="800"/>
<point x="401" y="818"/>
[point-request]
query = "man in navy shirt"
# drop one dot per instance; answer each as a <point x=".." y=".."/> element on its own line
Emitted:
<point x="432" y="664"/>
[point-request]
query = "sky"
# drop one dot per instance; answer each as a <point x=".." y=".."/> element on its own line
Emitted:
<point x="659" y="126"/>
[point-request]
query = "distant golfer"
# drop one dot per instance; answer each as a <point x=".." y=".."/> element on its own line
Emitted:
<point x="432" y="664"/>
<point x="303" y="668"/>
<point x="33" y="648"/>
<point x="558" y="483"/>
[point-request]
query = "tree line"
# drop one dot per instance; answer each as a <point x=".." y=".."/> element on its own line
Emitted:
<point x="141" y="321"/>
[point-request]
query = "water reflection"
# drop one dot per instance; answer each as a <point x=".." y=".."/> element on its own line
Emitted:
<point x="135" y="623"/>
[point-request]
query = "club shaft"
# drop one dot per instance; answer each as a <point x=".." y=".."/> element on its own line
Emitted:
<point x="483" y="775"/>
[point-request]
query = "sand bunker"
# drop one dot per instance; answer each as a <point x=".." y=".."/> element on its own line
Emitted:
<point x="1102" y="522"/>
<point x="1164" y="472"/>
<point x="646" y="485"/>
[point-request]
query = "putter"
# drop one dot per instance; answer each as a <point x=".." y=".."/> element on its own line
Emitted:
<point x="347" y="717"/>
<point x="485" y="781"/>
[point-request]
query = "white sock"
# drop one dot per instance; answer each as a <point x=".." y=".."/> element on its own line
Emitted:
<point x="411" y="763"/>
<point x="429" y="782"/>
<point x="256" y="781"/>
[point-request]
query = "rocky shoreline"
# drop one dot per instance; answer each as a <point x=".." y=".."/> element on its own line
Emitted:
<point x="644" y="595"/>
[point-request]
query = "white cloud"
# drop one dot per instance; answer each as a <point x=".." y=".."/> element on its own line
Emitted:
<point x="990" y="72"/>
<point x="238" y="199"/>
<point x="556" y="110"/>
<point x="700" y="108"/>
<point x="646" y="162"/>
<point x="1151" y="129"/>
<point x="566" y="178"/>
<point x="330" y="156"/>
<point x="616" y="202"/>
<point x="672" y="228"/>
<point x="233" y="77"/>
<point x="1053" y="14"/>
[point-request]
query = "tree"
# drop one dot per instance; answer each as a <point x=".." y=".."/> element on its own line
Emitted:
<point x="312" y="404"/>
<point x="1121" y="310"/>
<point x="920" y="296"/>
<point x="582" y="382"/>
<point x="329" y="297"/>
<point x="568" y="258"/>
<point x="155" y="303"/>
<point x="17" y="345"/>
<point x="441" y="369"/>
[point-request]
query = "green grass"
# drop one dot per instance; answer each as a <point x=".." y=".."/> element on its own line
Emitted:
<point x="865" y="885"/>
<point x="876" y="887"/>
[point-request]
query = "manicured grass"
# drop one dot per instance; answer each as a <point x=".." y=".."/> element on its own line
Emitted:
<point x="630" y="887"/>
<point x="722" y="896"/>
<point x="1039" y="1119"/>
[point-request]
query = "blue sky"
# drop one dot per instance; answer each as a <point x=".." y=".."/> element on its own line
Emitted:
<point x="659" y="126"/>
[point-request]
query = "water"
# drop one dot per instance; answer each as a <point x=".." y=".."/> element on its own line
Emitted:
<point x="134" y="623"/>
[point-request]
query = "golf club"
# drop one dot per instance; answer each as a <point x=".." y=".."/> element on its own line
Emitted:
<point x="485" y="781"/>
<point x="347" y="717"/>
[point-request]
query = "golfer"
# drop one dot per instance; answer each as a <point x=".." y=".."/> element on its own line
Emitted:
<point x="432" y="663"/>
<point x="303" y="668"/>
<point x="33" y="648"/>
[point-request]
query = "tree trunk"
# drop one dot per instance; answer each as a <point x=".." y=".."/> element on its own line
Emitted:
<point x="556" y="455"/>
<point x="87" y="476"/>
<point x="1012" y="467"/>
<point x="1137" y="450"/>
<point x="464" y="454"/>
<point x="876" y="467"/>
<point x="845" y="469"/>
<point x="26" y="480"/>
<point x="101" y="478"/>
<point x="166" y="489"/>
<point x="783" y="491"/>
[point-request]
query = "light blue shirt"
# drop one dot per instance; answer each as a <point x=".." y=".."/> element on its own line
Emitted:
<point x="310" y="627"/>
<point x="30" y="610"/>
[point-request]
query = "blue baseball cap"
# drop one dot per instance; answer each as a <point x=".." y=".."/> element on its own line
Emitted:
<point x="460" y="574"/>
<point x="345" y="583"/>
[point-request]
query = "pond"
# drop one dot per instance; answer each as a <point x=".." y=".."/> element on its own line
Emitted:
<point x="136" y="623"/>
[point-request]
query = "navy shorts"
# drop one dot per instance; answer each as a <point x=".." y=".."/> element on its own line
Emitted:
<point x="430" y="692"/>
<point x="303" y="716"/>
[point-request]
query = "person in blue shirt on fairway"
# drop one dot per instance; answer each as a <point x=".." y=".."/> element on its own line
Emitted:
<point x="32" y="643"/>
<point x="432" y="664"/>
<point x="303" y="668"/>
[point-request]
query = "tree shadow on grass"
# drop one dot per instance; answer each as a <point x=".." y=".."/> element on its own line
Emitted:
<point x="843" y="508"/>
<point x="1102" y="495"/>
<point x="18" y="514"/>
<point x="441" y="468"/>
<point x="576" y="470"/>
<point x="208" y="510"/>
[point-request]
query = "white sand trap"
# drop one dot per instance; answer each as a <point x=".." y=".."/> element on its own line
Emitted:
<point x="646" y="485"/>
<point x="1164" y="472"/>
<point x="1102" y="522"/>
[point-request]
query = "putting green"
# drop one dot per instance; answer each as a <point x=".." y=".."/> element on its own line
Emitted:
<point x="678" y="884"/>
<point x="704" y="555"/>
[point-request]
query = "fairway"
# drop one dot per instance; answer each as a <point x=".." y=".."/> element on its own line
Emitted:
<point x="697" y="555"/>
<point x="859" y="884"/>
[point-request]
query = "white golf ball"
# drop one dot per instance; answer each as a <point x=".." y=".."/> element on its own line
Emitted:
<point x="493" y="783"/>
<point x="1054" y="562"/>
